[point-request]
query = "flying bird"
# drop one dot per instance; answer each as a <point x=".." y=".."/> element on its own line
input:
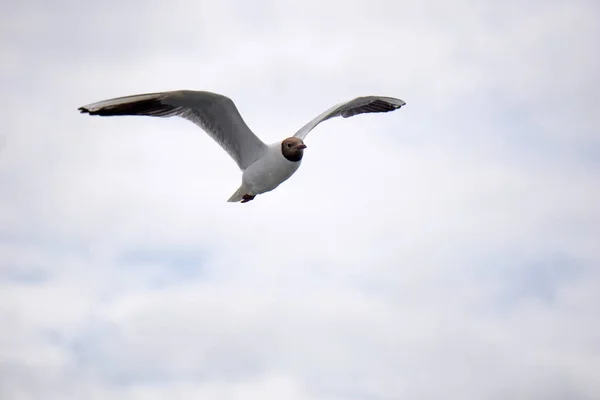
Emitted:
<point x="263" y="166"/>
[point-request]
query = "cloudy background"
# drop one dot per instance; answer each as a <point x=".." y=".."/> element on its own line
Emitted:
<point x="447" y="250"/>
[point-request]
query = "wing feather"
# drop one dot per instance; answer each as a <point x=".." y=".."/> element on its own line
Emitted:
<point x="216" y="114"/>
<point x="359" y="105"/>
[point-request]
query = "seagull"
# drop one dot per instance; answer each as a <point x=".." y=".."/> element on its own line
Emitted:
<point x="264" y="166"/>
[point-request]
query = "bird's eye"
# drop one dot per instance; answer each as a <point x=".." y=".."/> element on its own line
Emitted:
<point x="289" y="145"/>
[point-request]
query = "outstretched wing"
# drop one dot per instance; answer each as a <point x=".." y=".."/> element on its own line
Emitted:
<point x="216" y="114"/>
<point x="360" y="105"/>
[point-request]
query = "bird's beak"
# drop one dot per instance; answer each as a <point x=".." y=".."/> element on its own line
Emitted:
<point x="301" y="146"/>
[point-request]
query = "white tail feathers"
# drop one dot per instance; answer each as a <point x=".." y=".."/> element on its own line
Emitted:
<point x="239" y="194"/>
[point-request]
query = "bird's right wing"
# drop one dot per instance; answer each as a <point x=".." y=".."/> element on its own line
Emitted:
<point x="216" y="114"/>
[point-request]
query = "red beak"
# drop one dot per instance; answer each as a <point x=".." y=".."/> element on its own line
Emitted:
<point x="301" y="146"/>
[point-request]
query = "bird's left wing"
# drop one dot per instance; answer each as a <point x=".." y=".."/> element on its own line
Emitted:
<point x="360" y="105"/>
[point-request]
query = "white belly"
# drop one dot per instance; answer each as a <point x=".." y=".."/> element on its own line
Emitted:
<point x="269" y="172"/>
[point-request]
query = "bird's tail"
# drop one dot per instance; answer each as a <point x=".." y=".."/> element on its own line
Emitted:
<point x="239" y="194"/>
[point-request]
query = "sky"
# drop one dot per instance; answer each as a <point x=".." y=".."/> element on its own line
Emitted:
<point x="448" y="249"/>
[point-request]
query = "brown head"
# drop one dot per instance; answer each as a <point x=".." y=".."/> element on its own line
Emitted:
<point x="293" y="148"/>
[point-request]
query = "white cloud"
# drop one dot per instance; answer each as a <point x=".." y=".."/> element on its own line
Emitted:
<point x="455" y="258"/>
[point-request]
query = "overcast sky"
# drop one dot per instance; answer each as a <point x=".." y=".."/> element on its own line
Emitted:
<point x="447" y="250"/>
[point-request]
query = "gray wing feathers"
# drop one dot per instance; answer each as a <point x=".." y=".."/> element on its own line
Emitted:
<point x="360" y="105"/>
<point x="214" y="113"/>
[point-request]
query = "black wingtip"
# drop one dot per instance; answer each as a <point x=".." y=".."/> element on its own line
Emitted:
<point x="83" y="110"/>
<point x="377" y="105"/>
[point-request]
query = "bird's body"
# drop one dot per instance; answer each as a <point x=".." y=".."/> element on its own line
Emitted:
<point x="266" y="173"/>
<point x="264" y="167"/>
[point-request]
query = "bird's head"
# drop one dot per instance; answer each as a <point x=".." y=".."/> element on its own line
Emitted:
<point x="292" y="148"/>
